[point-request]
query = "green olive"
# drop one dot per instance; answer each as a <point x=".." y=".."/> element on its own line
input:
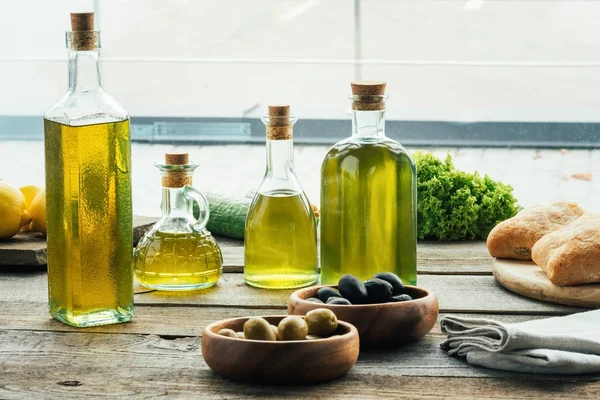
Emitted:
<point x="227" y="332"/>
<point x="257" y="328"/>
<point x="292" y="328"/>
<point x="240" y="335"/>
<point x="313" y="337"/>
<point x="274" y="329"/>
<point x="321" y="322"/>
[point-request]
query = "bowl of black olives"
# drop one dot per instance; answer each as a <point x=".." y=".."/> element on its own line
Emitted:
<point x="314" y="347"/>
<point x="383" y="309"/>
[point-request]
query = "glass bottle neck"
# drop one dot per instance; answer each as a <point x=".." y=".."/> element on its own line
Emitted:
<point x="174" y="203"/>
<point x="84" y="70"/>
<point x="368" y="124"/>
<point x="280" y="157"/>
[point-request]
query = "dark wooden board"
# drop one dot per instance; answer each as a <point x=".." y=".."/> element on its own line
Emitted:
<point x="26" y="248"/>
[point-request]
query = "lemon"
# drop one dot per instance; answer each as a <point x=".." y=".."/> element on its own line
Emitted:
<point x="29" y="191"/>
<point x="37" y="210"/>
<point x="13" y="212"/>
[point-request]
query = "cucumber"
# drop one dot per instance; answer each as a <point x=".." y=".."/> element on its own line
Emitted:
<point x="227" y="215"/>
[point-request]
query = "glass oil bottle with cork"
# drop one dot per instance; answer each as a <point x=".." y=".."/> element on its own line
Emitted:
<point x="281" y="228"/>
<point x="88" y="193"/>
<point x="179" y="253"/>
<point x="368" y="197"/>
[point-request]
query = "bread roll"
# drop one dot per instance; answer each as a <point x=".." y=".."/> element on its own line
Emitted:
<point x="571" y="255"/>
<point x="515" y="237"/>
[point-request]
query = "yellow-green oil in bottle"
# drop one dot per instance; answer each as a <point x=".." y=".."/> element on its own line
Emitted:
<point x="368" y="214"/>
<point x="178" y="260"/>
<point x="280" y="241"/>
<point x="88" y="197"/>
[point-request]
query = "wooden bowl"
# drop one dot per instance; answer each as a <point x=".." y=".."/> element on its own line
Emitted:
<point x="378" y="324"/>
<point x="294" y="361"/>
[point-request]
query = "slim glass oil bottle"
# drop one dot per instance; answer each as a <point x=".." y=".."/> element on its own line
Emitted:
<point x="88" y="193"/>
<point x="368" y="198"/>
<point x="281" y="228"/>
<point x="178" y="253"/>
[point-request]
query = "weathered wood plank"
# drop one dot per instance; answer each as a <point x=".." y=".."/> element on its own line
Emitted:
<point x="431" y="260"/>
<point x="88" y="364"/>
<point x="445" y="258"/>
<point x="233" y="262"/>
<point x="456" y="293"/>
<point x="203" y="384"/>
<point x="428" y="250"/>
<point x="473" y="266"/>
<point x="468" y="257"/>
<point x="157" y="320"/>
<point x="161" y="320"/>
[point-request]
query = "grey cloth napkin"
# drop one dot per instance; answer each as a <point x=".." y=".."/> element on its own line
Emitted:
<point x="559" y="345"/>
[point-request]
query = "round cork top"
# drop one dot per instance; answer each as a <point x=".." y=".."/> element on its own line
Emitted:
<point x="81" y="22"/>
<point x="368" y="88"/>
<point x="177" y="158"/>
<point x="368" y="95"/>
<point x="279" y="111"/>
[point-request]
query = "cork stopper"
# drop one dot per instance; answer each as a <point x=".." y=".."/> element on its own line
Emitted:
<point x="82" y="22"/>
<point x="279" y="126"/>
<point x="177" y="178"/>
<point x="84" y="38"/>
<point x="368" y="88"/>
<point x="177" y="158"/>
<point x="368" y="95"/>
<point x="279" y="111"/>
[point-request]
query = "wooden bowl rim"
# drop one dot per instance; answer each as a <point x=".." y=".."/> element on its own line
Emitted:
<point x="428" y="296"/>
<point x="209" y="331"/>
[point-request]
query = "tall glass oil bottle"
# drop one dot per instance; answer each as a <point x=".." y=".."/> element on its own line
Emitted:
<point x="281" y="228"/>
<point x="88" y="193"/>
<point x="368" y="198"/>
<point x="178" y="253"/>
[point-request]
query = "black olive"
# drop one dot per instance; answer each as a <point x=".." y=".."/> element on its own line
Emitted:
<point x="379" y="291"/>
<point x="401" y="297"/>
<point x="326" y="292"/>
<point x="353" y="289"/>
<point x="393" y="280"/>
<point x="339" y="300"/>
<point x="314" y="300"/>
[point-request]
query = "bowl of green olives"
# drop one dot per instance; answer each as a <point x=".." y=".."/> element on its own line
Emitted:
<point x="383" y="310"/>
<point x="281" y="349"/>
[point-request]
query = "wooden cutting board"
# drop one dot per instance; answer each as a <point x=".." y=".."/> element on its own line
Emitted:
<point x="527" y="279"/>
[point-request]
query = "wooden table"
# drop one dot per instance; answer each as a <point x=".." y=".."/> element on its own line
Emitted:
<point x="158" y="354"/>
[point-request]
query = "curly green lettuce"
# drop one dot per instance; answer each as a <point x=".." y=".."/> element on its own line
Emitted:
<point x="457" y="205"/>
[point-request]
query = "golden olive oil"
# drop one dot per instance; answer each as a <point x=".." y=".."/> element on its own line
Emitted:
<point x="280" y="241"/>
<point x="88" y="197"/>
<point x="178" y="261"/>
<point x="368" y="215"/>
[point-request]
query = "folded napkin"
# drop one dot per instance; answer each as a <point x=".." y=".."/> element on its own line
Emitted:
<point x="559" y="345"/>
